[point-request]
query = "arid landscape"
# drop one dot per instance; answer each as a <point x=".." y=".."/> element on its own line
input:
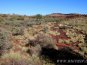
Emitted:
<point x="42" y="39"/>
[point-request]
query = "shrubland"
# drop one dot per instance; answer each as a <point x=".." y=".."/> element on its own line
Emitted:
<point x="22" y="38"/>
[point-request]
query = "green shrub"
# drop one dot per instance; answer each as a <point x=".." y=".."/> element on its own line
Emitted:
<point x="41" y="41"/>
<point x="1" y="19"/>
<point x="4" y="41"/>
<point x="46" y="41"/>
<point x="17" y="31"/>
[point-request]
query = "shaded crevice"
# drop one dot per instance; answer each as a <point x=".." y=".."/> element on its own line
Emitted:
<point x="85" y="38"/>
<point x="63" y="54"/>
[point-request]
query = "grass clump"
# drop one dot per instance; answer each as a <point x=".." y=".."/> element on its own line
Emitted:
<point x="19" y="59"/>
<point x="17" y="31"/>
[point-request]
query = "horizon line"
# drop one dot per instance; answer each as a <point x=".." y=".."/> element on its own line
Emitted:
<point x="39" y="13"/>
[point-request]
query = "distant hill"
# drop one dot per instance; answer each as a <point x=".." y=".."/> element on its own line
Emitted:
<point x="71" y="15"/>
<point x="53" y="15"/>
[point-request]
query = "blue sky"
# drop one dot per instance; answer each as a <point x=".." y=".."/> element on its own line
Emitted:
<point x="32" y="7"/>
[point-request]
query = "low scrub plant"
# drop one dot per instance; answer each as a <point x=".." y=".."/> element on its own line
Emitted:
<point x="5" y="44"/>
<point x="17" y="31"/>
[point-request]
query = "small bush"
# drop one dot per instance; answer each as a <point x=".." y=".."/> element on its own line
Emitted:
<point x="41" y="41"/>
<point x="46" y="41"/>
<point x="1" y="19"/>
<point x="17" y="31"/>
<point x="4" y="41"/>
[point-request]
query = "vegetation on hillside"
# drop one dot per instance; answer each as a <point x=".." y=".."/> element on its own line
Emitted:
<point x="27" y="40"/>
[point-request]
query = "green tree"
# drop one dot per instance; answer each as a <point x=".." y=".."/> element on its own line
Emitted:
<point x="38" y="16"/>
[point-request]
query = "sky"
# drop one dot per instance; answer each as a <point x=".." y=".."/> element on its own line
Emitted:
<point x="33" y="7"/>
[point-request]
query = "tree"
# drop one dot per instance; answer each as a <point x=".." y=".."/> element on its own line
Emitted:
<point x="38" y="16"/>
